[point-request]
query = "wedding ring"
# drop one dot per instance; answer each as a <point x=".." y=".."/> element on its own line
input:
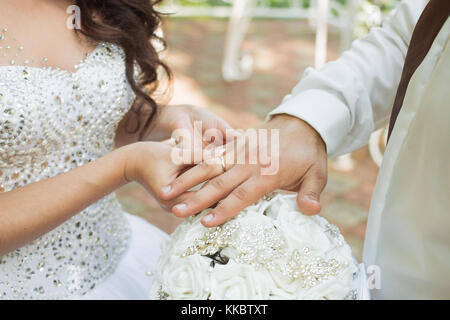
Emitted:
<point x="222" y="163"/>
<point x="221" y="152"/>
<point x="174" y="142"/>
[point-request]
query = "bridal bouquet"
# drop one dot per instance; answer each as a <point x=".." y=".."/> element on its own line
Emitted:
<point x="269" y="251"/>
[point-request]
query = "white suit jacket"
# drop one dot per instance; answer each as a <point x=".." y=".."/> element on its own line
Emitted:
<point x="408" y="231"/>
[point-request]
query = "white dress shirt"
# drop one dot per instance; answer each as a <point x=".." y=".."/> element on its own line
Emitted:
<point x="408" y="232"/>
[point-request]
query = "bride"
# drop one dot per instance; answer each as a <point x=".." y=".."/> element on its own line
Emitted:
<point x="70" y="134"/>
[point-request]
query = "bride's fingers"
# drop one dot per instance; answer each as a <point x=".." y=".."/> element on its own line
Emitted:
<point x="167" y="205"/>
<point x="213" y="164"/>
<point x="191" y="178"/>
<point x="215" y="190"/>
<point x="241" y="197"/>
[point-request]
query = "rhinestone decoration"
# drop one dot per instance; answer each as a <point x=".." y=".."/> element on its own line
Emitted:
<point x="162" y="295"/>
<point x="263" y="246"/>
<point x="52" y="121"/>
<point x="12" y="51"/>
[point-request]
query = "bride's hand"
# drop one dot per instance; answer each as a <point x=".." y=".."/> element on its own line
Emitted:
<point x="153" y="165"/>
<point x="172" y="118"/>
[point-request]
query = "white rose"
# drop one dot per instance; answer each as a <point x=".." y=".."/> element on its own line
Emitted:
<point x="251" y="218"/>
<point x="335" y="288"/>
<point x="285" y="286"/>
<point x="185" y="278"/>
<point x="186" y="234"/>
<point x="301" y="231"/>
<point x="235" y="281"/>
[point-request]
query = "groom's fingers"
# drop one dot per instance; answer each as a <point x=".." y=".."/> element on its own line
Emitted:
<point x="313" y="183"/>
<point x="213" y="191"/>
<point x="191" y="178"/>
<point x="244" y="195"/>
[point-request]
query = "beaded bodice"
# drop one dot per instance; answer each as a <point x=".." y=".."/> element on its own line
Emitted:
<point x="51" y="121"/>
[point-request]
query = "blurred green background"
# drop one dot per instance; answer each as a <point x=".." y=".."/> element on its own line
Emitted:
<point x="383" y="4"/>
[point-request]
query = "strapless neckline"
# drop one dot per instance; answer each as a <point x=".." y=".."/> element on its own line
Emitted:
<point x="76" y="68"/>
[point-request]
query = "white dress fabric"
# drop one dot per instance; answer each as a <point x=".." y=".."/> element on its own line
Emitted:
<point x="407" y="236"/>
<point x="134" y="274"/>
<point x="52" y="121"/>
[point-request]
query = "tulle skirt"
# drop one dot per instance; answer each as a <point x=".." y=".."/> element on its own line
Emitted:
<point x="132" y="279"/>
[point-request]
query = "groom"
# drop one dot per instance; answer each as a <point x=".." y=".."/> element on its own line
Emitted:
<point x="399" y="73"/>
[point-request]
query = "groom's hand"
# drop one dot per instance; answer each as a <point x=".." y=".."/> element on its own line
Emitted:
<point x="300" y="163"/>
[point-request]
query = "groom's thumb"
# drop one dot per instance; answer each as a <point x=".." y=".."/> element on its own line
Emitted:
<point x="308" y="198"/>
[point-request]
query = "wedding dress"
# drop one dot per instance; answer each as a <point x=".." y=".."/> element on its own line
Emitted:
<point x="51" y="121"/>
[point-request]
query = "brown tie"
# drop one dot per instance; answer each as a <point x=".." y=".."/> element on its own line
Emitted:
<point x="430" y="23"/>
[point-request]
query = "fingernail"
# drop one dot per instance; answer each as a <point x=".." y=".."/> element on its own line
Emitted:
<point x="208" y="218"/>
<point x="166" y="189"/>
<point x="180" y="206"/>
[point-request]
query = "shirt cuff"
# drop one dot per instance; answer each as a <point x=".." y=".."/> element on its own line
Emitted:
<point x="323" y="111"/>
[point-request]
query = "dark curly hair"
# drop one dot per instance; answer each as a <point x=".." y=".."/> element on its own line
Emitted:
<point x="132" y="25"/>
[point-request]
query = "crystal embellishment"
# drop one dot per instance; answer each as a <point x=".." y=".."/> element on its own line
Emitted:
<point x="262" y="246"/>
<point x="51" y="121"/>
